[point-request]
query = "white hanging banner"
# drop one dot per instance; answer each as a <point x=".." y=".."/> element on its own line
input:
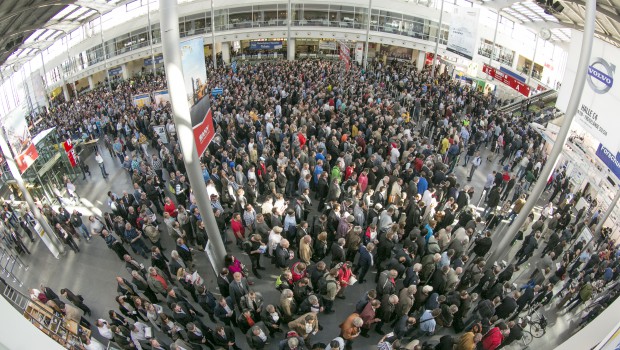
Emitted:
<point x="463" y="34"/>
<point x="359" y="52"/>
<point x="596" y="112"/>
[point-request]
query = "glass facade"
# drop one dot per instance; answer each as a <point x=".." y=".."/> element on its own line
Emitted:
<point x="258" y="16"/>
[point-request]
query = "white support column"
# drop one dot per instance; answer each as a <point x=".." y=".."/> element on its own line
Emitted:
<point x="290" y="49"/>
<point x="226" y="52"/>
<point x="91" y="82"/>
<point x="124" y="71"/>
<point x="421" y="60"/>
<point x="65" y="92"/>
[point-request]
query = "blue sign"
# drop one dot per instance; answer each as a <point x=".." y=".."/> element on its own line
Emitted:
<point x="158" y="59"/>
<point x="512" y="74"/>
<point x="265" y="45"/>
<point x="234" y="66"/>
<point x="115" y="71"/>
<point x="217" y="91"/>
<point x="612" y="161"/>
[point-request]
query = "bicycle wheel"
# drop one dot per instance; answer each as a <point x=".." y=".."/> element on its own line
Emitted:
<point x="536" y="330"/>
<point x="527" y="338"/>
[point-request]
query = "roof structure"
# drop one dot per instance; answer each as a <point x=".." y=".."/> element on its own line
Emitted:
<point x="28" y="27"/>
<point x="559" y="16"/>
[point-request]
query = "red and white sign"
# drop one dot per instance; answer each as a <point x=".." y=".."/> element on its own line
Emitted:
<point x="202" y="124"/>
<point x="502" y="77"/>
<point x="26" y="158"/>
<point x="68" y="146"/>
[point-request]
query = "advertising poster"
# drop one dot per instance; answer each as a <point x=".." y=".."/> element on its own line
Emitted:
<point x="19" y="139"/>
<point x="599" y="93"/>
<point x="161" y="97"/>
<point x="195" y="75"/>
<point x="463" y="34"/>
<point x="141" y="100"/>
<point x="194" y="69"/>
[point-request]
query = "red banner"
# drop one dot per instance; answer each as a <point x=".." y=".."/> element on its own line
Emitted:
<point x="502" y="77"/>
<point x="68" y="146"/>
<point x="202" y="125"/>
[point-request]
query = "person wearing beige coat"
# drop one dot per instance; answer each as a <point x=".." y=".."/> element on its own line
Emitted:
<point x="305" y="249"/>
<point x="405" y="301"/>
<point x="305" y="325"/>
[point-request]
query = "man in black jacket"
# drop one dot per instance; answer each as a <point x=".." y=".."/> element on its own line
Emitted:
<point x="282" y="254"/>
<point x="337" y="250"/>
<point x="508" y="305"/>
<point x="482" y="245"/>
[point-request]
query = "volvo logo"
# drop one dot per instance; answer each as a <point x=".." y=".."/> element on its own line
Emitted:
<point x="600" y="75"/>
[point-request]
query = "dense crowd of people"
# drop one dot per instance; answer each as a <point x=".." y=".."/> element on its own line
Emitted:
<point x="335" y="178"/>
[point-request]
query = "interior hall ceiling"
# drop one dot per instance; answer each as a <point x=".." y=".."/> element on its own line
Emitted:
<point x="559" y="16"/>
<point x="28" y="27"/>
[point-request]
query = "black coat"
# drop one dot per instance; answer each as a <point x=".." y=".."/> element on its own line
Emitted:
<point x="506" y="308"/>
<point x="223" y="285"/>
<point x="282" y="257"/>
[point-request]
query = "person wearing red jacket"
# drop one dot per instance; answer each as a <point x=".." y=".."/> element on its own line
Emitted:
<point x="237" y="228"/>
<point x="495" y="337"/>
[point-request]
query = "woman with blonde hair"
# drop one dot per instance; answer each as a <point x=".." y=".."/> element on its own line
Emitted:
<point x="287" y="305"/>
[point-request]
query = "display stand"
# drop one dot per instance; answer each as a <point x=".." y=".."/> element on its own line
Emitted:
<point x="65" y="332"/>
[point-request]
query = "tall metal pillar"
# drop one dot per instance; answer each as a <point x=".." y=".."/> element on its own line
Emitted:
<point x="608" y="212"/>
<point x="367" y="34"/>
<point x="571" y="110"/>
<point x="169" y="21"/>
<point x="148" y="10"/>
<point x="105" y="55"/>
<point x="213" y="53"/>
<point x="529" y="75"/>
<point x="437" y="40"/>
<point x="47" y="236"/>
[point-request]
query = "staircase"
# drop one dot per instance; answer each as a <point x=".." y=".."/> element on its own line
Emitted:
<point x="545" y="95"/>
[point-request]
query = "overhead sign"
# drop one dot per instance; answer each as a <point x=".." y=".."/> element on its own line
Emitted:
<point x="266" y="45"/>
<point x="520" y="87"/>
<point x="115" y="71"/>
<point x="513" y="74"/>
<point x="610" y="159"/>
<point x="158" y="59"/>
<point x="596" y="112"/>
<point x="328" y="45"/>
<point x="463" y="34"/>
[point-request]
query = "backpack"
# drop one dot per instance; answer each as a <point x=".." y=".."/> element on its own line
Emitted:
<point x="323" y="282"/>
